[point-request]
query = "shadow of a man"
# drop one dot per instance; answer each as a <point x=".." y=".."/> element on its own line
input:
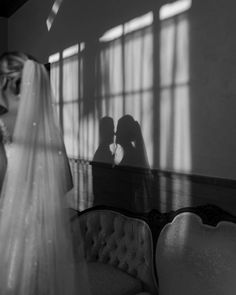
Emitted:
<point x="103" y="160"/>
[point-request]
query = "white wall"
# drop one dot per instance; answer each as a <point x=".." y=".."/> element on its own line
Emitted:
<point x="213" y="88"/>
<point x="27" y="30"/>
<point x="73" y="23"/>
<point x="3" y="34"/>
<point x="212" y="69"/>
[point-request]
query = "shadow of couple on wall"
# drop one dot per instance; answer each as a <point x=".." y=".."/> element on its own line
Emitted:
<point x="121" y="173"/>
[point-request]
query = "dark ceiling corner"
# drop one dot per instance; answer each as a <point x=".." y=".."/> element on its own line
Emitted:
<point x="9" y="7"/>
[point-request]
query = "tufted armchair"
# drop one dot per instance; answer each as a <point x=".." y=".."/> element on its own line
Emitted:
<point x="196" y="258"/>
<point x="115" y="251"/>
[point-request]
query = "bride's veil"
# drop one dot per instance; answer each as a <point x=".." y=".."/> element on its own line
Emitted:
<point x="35" y="243"/>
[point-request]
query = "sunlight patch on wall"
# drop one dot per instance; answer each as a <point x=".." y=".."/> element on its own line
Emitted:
<point x="175" y="8"/>
<point x="138" y="23"/>
<point x="126" y="75"/>
<point x="78" y="127"/>
<point x="182" y="152"/>
<point x="181" y="196"/>
<point x="54" y="57"/>
<point x="92" y="142"/>
<point x="175" y="145"/>
<point x="166" y="123"/>
<point x="82" y="46"/>
<point x="52" y="15"/>
<point x="131" y="26"/>
<point x="70" y="100"/>
<point x="55" y="78"/>
<point x="112" y="34"/>
<point x="111" y="68"/>
<point x="70" y="51"/>
<point x="64" y="75"/>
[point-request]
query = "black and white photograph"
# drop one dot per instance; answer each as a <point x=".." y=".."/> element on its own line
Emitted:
<point x="117" y="147"/>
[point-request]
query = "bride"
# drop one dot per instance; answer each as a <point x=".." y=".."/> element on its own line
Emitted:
<point x="36" y="256"/>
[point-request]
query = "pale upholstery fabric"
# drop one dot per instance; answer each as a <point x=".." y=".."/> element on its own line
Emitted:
<point x="195" y="258"/>
<point x="104" y="279"/>
<point x="108" y="237"/>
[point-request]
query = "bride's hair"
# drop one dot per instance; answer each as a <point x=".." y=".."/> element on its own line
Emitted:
<point x="11" y="66"/>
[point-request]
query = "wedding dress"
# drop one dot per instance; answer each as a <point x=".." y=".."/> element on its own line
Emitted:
<point x="36" y="256"/>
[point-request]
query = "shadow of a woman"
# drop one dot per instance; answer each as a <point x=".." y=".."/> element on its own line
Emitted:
<point x="135" y="179"/>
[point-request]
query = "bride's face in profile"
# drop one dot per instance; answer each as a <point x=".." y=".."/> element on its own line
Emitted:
<point x="11" y="66"/>
<point x="11" y="99"/>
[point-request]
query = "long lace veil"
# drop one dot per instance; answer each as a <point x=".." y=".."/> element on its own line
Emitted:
<point x="35" y="244"/>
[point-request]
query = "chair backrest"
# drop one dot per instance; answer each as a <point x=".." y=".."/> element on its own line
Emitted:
<point x="109" y="237"/>
<point x="196" y="258"/>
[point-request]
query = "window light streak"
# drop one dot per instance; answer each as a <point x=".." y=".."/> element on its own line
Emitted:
<point x="90" y="131"/>
<point x="131" y="26"/>
<point x="163" y="194"/>
<point x="12" y="274"/>
<point x="166" y="126"/>
<point x="54" y="79"/>
<point x="112" y="34"/>
<point x="54" y="58"/>
<point x="139" y="23"/>
<point x="175" y="123"/>
<point x="49" y="22"/>
<point x="126" y="88"/>
<point x="182" y="152"/>
<point x="175" y="238"/>
<point x="52" y="15"/>
<point x="56" y="6"/>
<point x="181" y="198"/>
<point x="175" y="8"/>
<point x="70" y="98"/>
<point x="82" y="46"/>
<point x="70" y="79"/>
<point x="70" y="51"/>
<point x="68" y="60"/>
